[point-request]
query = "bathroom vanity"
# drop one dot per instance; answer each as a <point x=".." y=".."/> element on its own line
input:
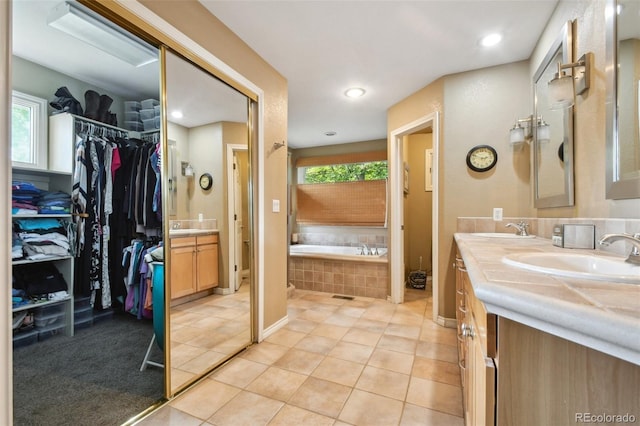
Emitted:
<point x="537" y="348"/>
<point x="194" y="261"/>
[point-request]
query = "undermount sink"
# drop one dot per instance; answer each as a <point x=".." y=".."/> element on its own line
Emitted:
<point x="501" y="235"/>
<point x="188" y="231"/>
<point x="591" y="267"/>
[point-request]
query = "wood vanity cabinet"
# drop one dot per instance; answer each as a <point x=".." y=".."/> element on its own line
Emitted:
<point x="476" y="352"/>
<point x="194" y="264"/>
<point x="206" y="262"/>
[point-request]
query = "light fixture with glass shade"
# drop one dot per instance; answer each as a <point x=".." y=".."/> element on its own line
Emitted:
<point x="563" y="87"/>
<point x="522" y="131"/>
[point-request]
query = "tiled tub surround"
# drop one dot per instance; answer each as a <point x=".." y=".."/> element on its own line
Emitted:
<point x="368" y="277"/>
<point x="601" y="315"/>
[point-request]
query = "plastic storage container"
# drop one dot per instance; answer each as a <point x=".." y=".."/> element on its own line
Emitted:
<point x="156" y="110"/>
<point x="132" y="116"/>
<point x="132" y="106"/>
<point x="149" y="103"/>
<point x="149" y="124"/>
<point x="146" y="114"/>
<point x="81" y="314"/>
<point x="25" y="338"/>
<point x="49" y="309"/>
<point x="47" y="320"/>
<point x="85" y="323"/>
<point x="45" y="332"/>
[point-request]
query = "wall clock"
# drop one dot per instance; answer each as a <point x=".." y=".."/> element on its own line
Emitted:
<point x="206" y="181"/>
<point x="482" y="158"/>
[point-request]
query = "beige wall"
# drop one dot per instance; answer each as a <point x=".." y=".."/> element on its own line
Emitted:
<point x="190" y="17"/>
<point x="417" y="205"/>
<point x="590" y="119"/>
<point x="480" y="106"/>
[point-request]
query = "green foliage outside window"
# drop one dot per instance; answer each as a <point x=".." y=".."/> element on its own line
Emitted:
<point x="21" y="134"/>
<point x="374" y="170"/>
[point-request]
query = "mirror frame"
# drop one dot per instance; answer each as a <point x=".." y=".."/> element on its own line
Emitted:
<point x="563" y="41"/>
<point x="616" y="188"/>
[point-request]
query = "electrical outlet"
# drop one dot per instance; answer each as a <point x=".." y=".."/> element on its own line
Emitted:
<point x="497" y="214"/>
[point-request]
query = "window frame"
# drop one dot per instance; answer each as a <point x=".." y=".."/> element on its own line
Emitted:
<point x="38" y="134"/>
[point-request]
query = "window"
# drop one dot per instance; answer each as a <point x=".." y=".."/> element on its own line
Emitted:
<point x="374" y="170"/>
<point x="28" y="131"/>
<point x="345" y="189"/>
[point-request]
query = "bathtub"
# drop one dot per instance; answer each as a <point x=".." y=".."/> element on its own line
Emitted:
<point x="339" y="270"/>
<point x="336" y="252"/>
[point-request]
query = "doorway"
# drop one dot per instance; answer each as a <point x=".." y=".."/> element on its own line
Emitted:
<point x="396" y="217"/>
<point x="237" y="188"/>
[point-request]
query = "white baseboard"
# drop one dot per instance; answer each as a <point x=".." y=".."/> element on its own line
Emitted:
<point x="274" y="327"/>
<point x="447" y="322"/>
<point x="223" y="290"/>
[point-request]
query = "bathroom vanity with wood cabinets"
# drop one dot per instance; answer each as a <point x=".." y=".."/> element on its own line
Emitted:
<point x="541" y="349"/>
<point x="194" y="263"/>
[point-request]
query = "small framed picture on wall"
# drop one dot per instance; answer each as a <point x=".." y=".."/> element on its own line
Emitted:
<point x="406" y="178"/>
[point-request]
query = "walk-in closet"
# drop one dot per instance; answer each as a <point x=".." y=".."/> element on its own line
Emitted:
<point x="131" y="228"/>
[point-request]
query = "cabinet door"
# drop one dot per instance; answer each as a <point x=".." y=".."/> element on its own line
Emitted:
<point x="207" y="266"/>
<point x="483" y="383"/>
<point x="182" y="271"/>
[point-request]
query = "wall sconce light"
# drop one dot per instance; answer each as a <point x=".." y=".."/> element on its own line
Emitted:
<point x="522" y="131"/>
<point x="563" y="88"/>
<point x="187" y="169"/>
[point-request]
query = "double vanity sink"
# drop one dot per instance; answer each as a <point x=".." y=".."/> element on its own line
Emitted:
<point x="587" y="266"/>
<point x="589" y="297"/>
<point x="599" y="267"/>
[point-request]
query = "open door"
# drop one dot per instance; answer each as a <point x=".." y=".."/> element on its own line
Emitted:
<point x="238" y="222"/>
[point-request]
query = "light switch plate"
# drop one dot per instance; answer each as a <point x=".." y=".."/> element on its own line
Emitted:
<point x="276" y="206"/>
<point x="497" y="214"/>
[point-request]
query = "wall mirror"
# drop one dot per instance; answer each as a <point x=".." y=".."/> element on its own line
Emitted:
<point x="553" y="158"/>
<point x="209" y="315"/>
<point x="623" y="73"/>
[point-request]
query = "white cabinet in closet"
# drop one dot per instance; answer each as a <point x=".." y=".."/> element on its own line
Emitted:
<point x="52" y="316"/>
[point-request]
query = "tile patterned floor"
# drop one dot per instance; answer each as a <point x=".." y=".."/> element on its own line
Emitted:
<point x="337" y="362"/>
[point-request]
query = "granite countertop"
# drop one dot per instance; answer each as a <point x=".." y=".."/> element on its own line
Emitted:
<point x="604" y="316"/>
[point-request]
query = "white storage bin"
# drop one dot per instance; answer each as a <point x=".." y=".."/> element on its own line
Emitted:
<point x="146" y="114"/>
<point x="149" y="103"/>
<point x="132" y="116"/>
<point x="132" y="106"/>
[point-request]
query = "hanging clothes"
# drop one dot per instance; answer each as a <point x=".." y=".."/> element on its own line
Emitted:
<point x="111" y="177"/>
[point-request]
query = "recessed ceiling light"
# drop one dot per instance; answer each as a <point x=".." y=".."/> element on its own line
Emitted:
<point x="176" y="114"/>
<point x="491" y="40"/>
<point x="330" y="133"/>
<point x="354" y="92"/>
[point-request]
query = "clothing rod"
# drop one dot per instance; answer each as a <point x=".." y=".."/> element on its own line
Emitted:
<point x="98" y="123"/>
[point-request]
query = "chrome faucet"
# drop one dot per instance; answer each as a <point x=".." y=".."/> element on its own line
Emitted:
<point x="175" y="225"/>
<point x="521" y="228"/>
<point x="365" y="249"/>
<point x="634" y="256"/>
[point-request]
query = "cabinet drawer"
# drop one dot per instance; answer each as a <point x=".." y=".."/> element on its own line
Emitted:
<point x="182" y="242"/>
<point x="207" y="239"/>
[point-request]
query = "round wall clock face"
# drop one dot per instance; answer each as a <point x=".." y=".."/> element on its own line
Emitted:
<point x="482" y="158"/>
<point x="206" y="181"/>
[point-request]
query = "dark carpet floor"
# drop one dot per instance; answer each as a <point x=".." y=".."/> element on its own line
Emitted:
<point x="93" y="378"/>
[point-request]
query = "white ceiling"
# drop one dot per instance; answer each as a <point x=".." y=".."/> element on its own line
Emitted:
<point x="390" y="48"/>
